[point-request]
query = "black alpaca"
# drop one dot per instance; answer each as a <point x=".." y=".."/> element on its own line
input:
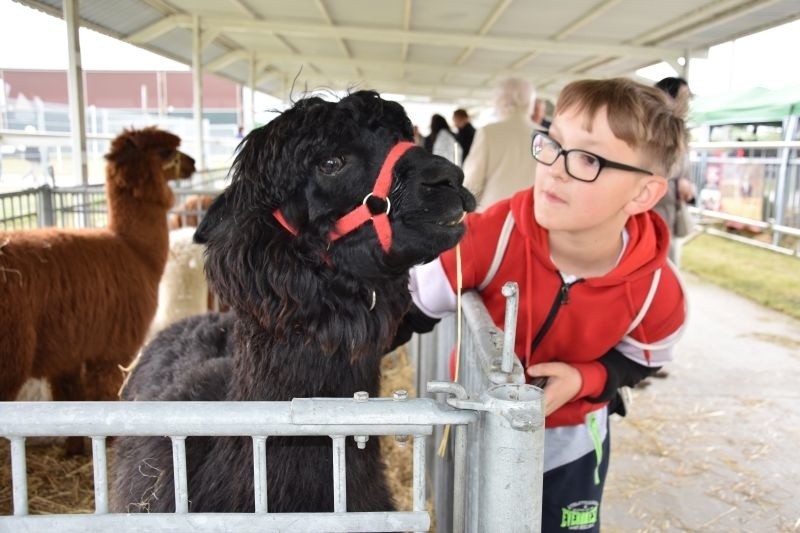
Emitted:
<point x="316" y="295"/>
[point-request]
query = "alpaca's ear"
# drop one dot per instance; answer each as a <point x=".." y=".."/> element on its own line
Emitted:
<point x="214" y="219"/>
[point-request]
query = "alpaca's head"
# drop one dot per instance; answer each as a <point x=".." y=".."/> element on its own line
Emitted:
<point x="142" y="161"/>
<point x="294" y="179"/>
<point x="188" y="214"/>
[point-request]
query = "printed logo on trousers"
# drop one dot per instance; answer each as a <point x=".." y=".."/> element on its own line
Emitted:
<point x="579" y="515"/>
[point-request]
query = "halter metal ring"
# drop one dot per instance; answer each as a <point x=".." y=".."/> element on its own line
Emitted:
<point x="388" y="203"/>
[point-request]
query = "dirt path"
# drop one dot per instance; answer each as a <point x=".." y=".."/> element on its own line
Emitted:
<point x="716" y="445"/>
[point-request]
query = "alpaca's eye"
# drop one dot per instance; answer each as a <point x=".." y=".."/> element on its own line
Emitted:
<point x="165" y="154"/>
<point x="331" y="165"/>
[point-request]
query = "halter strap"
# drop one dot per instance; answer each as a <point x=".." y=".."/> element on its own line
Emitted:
<point x="283" y="222"/>
<point x="361" y="214"/>
<point x="174" y="162"/>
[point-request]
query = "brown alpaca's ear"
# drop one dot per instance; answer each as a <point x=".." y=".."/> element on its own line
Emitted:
<point x="126" y="167"/>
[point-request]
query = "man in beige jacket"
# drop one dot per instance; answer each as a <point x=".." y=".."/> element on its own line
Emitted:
<point x="500" y="161"/>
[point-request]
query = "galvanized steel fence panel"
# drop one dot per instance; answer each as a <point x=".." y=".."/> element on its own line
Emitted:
<point x="334" y="417"/>
<point x="86" y="206"/>
<point x="483" y="381"/>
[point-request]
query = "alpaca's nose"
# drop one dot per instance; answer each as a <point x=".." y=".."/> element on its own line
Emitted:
<point x="440" y="180"/>
<point x="443" y="173"/>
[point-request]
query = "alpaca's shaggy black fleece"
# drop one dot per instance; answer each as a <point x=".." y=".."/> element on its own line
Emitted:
<point x="301" y="323"/>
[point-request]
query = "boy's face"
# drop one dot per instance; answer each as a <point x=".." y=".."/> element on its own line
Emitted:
<point x="564" y="203"/>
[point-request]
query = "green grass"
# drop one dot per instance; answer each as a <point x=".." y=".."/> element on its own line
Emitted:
<point x="769" y="278"/>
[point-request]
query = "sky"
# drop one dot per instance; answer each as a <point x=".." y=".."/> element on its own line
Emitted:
<point x="33" y="40"/>
<point x="757" y="58"/>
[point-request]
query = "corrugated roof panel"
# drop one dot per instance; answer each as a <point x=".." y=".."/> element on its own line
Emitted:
<point x="740" y="24"/>
<point x="366" y="13"/>
<point x="581" y="37"/>
<point x="315" y="46"/>
<point x="391" y="52"/>
<point x="488" y="59"/>
<point x="435" y="55"/>
<point x="450" y="16"/>
<point x="539" y="20"/>
<point x="123" y="16"/>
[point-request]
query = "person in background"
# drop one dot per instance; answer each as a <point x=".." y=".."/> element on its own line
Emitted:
<point x="681" y="188"/>
<point x="539" y="116"/>
<point x="500" y="161"/>
<point x="599" y="307"/>
<point x="466" y="131"/>
<point x="441" y="140"/>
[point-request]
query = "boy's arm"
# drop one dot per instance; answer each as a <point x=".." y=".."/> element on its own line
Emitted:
<point x="626" y="365"/>
<point x="432" y="299"/>
<point x="632" y="360"/>
<point x="620" y="372"/>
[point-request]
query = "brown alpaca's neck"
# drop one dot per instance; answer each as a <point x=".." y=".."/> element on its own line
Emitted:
<point x="141" y="224"/>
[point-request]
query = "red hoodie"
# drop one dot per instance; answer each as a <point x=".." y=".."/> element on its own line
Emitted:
<point x="587" y="318"/>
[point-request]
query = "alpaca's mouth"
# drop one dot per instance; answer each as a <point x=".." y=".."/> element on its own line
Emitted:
<point x="454" y="222"/>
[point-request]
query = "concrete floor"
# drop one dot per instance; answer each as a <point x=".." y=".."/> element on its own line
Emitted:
<point x="715" y="446"/>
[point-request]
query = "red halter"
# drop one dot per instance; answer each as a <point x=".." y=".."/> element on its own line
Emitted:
<point x="361" y="214"/>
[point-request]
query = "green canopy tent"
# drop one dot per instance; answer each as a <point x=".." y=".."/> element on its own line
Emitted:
<point x="753" y="105"/>
<point x="780" y="195"/>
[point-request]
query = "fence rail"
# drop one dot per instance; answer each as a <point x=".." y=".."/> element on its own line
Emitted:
<point x="704" y="224"/>
<point x="32" y="158"/>
<point x="87" y="206"/>
<point x="334" y="417"/>
<point x="758" y="180"/>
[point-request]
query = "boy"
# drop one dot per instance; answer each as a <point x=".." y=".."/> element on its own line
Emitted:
<point x="599" y="307"/>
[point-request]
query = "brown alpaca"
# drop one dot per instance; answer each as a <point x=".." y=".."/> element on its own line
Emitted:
<point x="189" y="212"/>
<point x="75" y="304"/>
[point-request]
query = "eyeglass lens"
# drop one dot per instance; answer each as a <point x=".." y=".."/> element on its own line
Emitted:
<point x="579" y="164"/>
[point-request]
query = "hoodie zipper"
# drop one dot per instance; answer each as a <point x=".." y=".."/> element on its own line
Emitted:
<point x="562" y="298"/>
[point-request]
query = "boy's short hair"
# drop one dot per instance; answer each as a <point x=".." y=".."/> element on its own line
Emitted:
<point x="643" y="117"/>
<point x="461" y="113"/>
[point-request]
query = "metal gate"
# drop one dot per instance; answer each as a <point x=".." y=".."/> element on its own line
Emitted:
<point x="337" y="418"/>
<point x="505" y="453"/>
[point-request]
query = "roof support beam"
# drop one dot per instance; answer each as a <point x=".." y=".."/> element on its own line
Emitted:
<point x="459" y="40"/>
<point x="498" y="10"/>
<point x="226" y="59"/>
<point x="76" y="103"/>
<point x="342" y="44"/>
<point x="154" y="31"/>
<point x="197" y="86"/>
<point x="385" y="66"/>
<point x="406" y="26"/>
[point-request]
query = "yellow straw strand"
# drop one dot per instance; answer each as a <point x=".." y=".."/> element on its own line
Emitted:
<point x="459" y="283"/>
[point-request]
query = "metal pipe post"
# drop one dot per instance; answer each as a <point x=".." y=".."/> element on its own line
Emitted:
<point x="512" y="453"/>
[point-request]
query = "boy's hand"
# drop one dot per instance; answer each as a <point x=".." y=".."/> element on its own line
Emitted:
<point x="563" y="383"/>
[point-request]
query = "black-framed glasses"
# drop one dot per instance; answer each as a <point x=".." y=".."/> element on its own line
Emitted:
<point x="580" y="164"/>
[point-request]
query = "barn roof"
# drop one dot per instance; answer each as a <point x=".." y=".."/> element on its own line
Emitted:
<point x="442" y="49"/>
